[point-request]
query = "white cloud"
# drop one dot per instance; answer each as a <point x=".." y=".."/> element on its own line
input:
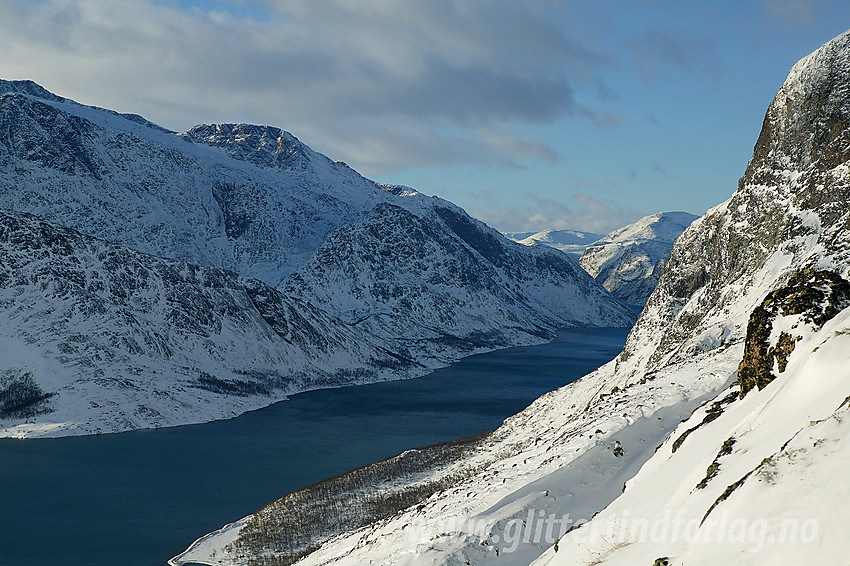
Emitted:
<point x="373" y="83"/>
<point x="579" y="212"/>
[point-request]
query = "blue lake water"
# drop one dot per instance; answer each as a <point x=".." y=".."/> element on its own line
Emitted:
<point x="139" y="498"/>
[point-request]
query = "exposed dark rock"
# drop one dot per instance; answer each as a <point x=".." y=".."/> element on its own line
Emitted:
<point x="730" y="489"/>
<point x="816" y="295"/>
<point x="21" y="397"/>
<point x="265" y="146"/>
<point x="784" y="347"/>
<point x="714" y="467"/>
<point x="33" y="131"/>
<point x="715" y="409"/>
<point x="618" y="449"/>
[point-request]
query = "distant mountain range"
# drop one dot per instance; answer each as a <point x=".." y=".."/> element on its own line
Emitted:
<point x="628" y="261"/>
<point x="186" y="277"/>
<point x="571" y="242"/>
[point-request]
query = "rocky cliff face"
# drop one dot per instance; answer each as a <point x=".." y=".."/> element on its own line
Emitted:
<point x="809" y="300"/>
<point x="790" y="212"/>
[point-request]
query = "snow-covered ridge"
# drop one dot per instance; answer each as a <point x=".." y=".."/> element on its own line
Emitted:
<point x="776" y="456"/>
<point x="571" y="242"/>
<point x="629" y="261"/>
<point x="757" y="482"/>
<point x="450" y="275"/>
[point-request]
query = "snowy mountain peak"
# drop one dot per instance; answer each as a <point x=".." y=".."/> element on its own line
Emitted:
<point x="265" y="146"/>
<point x="28" y="87"/>
<point x="807" y="121"/>
<point x="661" y="226"/>
<point x="552" y="236"/>
<point x="629" y="260"/>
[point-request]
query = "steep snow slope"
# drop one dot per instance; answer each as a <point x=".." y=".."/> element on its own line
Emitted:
<point x="569" y="451"/>
<point x="450" y="275"/>
<point x="557" y="456"/>
<point x="99" y="338"/>
<point x="255" y="200"/>
<point x="763" y="481"/>
<point x="571" y="242"/>
<point x="788" y="444"/>
<point x="629" y="261"/>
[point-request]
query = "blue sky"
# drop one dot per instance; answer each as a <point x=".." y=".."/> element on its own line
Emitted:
<point x="531" y="115"/>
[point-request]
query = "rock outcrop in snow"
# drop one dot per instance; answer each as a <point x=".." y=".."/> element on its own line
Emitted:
<point x="629" y="261"/>
<point x="810" y="299"/>
<point x="759" y="480"/>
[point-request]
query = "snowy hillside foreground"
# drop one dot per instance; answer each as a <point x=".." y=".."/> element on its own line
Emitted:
<point x="763" y="482"/>
<point x="770" y="467"/>
<point x="571" y="242"/>
<point x="98" y="338"/>
<point x="382" y="262"/>
<point x="629" y="261"/>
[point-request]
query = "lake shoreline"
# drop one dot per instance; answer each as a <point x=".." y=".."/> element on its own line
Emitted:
<point x="141" y="497"/>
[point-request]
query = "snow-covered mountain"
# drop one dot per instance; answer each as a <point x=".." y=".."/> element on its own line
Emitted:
<point x="247" y="198"/>
<point x="629" y="261"/>
<point x="718" y="435"/>
<point x="571" y="242"/>
<point x="255" y="202"/>
<point x="99" y="338"/>
<point x="449" y="275"/>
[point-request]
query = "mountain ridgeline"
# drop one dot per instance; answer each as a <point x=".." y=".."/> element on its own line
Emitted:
<point x="629" y="261"/>
<point x="187" y="277"/>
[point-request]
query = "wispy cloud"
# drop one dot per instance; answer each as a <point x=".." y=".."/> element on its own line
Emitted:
<point x="344" y="75"/>
<point x="656" y="52"/>
<point x="580" y="211"/>
<point x="794" y="12"/>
